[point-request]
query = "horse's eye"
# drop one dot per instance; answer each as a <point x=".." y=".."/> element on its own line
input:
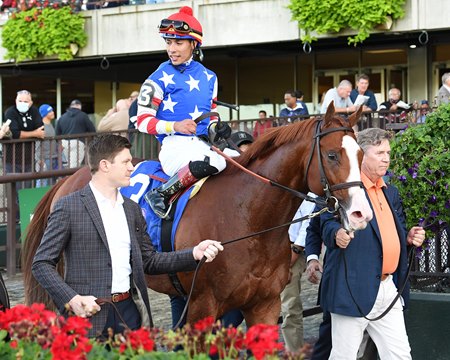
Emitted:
<point x="332" y="156"/>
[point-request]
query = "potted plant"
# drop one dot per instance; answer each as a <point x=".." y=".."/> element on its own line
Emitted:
<point x="43" y="31"/>
<point x="331" y="16"/>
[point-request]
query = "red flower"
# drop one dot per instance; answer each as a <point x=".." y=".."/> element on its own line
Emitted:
<point x="13" y="344"/>
<point x="262" y="340"/>
<point x="213" y="350"/>
<point x="140" y="339"/>
<point x="77" y="325"/>
<point x="205" y="324"/>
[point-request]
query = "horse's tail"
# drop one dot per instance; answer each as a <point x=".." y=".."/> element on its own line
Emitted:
<point x="33" y="292"/>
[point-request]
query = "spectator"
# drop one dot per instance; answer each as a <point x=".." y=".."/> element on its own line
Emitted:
<point x="362" y="85"/>
<point x="5" y="132"/>
<point x="361" y="282"/>
<point x="293" y="108"/>
<point x="118" y="119"/>
<point x="96" y="225"/>
<point x="133" y="96"/>
<point x="443" y="96"/>
<point x="341" y="98"/>
<point x="262" y="124"/>
<point x="47" y="150"/>
<point x="395" y="106"/>
<point x="300" y="103"/>
<point x="423" y="111"/>
<point x="26" y="123"/>
<point x="291" y="303"/>
<point x="74" y="122"/>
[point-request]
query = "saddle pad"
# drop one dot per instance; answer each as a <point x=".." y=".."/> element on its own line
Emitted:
<point x="140" y="183"/>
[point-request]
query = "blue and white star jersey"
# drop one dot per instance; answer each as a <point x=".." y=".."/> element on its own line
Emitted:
<point x="176" y="93"/>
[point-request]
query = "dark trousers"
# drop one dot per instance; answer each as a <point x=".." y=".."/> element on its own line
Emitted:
<point x="129" y="313"/>
<point x="322" y="347"/>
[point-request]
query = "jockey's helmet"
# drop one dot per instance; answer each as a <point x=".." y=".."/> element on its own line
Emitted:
<point x="182" y="25"/>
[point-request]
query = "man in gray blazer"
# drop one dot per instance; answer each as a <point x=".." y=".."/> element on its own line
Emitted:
<point x="443" y="96"/>
<point x="106" y="248"/>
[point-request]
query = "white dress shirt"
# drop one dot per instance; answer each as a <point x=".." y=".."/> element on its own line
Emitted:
<point x="118" y="236"/>
<point x="297" y="231"/>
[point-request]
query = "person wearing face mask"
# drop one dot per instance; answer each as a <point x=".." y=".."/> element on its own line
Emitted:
<point x="26" y="123"/>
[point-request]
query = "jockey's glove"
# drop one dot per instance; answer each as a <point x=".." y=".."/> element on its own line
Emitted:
<point x="223" y="130"/>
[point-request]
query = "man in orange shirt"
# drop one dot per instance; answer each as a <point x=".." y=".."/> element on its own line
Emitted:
<point x="364" y="270"/>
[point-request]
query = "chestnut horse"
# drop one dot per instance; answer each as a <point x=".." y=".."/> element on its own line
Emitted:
<point x="249" y="274"/>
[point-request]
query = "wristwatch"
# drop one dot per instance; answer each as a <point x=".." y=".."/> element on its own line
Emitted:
<point x="297" y="248"/>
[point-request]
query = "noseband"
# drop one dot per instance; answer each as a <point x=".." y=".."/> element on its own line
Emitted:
<point x="332" y="201"/>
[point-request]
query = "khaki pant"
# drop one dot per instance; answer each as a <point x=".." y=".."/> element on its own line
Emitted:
<point x="292" y="308"/>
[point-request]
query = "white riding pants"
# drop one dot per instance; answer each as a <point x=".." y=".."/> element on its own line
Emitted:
<point x="388" y="333"/>
<point x="177" y="151"/>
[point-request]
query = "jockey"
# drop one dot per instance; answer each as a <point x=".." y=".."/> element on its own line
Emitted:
<point x="176" y="94"/>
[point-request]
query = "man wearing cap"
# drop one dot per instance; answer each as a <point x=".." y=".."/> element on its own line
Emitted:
<point x="47" y="151"/>
<point x="176" y="94"/>
<point x="241" y="139"/>
<point x="74" y="122"/>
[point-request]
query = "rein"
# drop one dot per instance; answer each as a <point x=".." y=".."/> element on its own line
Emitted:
<point x="267" y="181"/>
<point x="399" y="291"/>
<point x="228" y="242"/>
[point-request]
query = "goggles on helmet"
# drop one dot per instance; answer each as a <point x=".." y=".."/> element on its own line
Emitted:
<point x="177" y="25"/>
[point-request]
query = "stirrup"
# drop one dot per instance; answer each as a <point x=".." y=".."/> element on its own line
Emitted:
<point x="162" y="215"/>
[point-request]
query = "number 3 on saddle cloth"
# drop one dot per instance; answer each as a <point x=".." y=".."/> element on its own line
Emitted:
<point x="144" y="178"/>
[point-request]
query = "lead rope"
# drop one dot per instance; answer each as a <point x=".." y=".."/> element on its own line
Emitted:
<point x="103" y="301"/>
<point x="202" y="261"/>
<point x="399" y="292"/>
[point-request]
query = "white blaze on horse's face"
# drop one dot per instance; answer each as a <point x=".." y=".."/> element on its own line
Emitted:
<point x="359" y="212"/>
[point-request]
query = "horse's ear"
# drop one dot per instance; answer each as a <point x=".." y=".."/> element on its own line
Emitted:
<point x="330" y="113"/>
<point x="353" y="118"/>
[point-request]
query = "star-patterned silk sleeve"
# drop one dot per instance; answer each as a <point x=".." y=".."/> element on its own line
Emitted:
<point x="174" y="94"/>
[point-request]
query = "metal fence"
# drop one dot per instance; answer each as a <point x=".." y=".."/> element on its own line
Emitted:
<point x="431" y="270"/>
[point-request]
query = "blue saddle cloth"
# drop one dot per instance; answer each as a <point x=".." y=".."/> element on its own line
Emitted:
<point x="140" y="184"/>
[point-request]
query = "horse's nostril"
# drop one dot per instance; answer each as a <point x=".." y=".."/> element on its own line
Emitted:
<point x="357" y="214"/>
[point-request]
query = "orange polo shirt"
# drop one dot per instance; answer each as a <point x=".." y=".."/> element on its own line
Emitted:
<point x="386" y="223"/>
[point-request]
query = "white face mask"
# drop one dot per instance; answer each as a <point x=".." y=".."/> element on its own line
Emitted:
<point x="22" y="106"/>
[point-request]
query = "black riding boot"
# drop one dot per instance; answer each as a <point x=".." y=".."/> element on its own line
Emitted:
<point x="158" y="198"/>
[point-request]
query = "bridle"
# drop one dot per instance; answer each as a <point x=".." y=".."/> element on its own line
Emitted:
<point x="332" y="201"/>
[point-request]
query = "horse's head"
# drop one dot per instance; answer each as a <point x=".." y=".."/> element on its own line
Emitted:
<point x="335" y="160"/>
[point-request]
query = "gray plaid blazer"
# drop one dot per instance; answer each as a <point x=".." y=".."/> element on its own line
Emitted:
<point x="75" y="229"/>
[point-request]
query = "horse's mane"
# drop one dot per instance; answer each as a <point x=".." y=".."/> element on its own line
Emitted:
<point x="271" y="140"/>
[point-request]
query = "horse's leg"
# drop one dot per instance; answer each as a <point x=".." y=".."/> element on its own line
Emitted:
<point x="265" y="312"/>
<point x="202" y="306"/>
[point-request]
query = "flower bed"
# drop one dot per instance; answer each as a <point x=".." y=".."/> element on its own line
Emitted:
<point x="36" y="333"/>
